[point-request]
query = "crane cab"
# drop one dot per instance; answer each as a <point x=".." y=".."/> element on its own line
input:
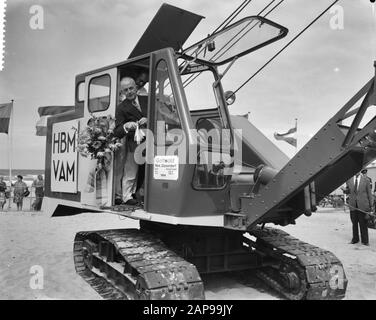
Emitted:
<point x="188" y="158"/>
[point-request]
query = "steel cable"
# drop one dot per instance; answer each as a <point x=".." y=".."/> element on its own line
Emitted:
<point x="288" y="44"/>
<point x="194" y="76"/>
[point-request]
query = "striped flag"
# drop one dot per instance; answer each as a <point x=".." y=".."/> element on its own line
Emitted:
<point x="287" y="136"/>
<point x="45" y="113"/>
<point x="5" y="112"/>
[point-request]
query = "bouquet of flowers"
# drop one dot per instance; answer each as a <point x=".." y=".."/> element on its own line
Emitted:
<point x="97" y="140"/>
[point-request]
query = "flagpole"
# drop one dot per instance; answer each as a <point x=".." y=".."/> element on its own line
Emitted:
<point x="10" y="147"/>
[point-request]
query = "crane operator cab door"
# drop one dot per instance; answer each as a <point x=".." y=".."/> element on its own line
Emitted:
<point x="166" y="143"/>
<point x="96" y="175"/>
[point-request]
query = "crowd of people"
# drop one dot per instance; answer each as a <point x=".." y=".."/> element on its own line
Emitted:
<point x="18" y="191"/>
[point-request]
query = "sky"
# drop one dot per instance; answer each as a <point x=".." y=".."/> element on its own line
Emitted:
<point x="311" y="80"/>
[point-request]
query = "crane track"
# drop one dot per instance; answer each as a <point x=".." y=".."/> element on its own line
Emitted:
<point x="309" y="271"/>
<point x="133" y="264"/>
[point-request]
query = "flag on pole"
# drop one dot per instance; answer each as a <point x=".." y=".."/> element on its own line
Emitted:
<point x="5" y="112"/>
<point x="287" y="136"/>
<point x="45" y="113"/>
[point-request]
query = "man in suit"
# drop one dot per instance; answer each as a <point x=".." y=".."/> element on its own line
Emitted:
<point x="132" y="111"/>
<point x="141" y="80"/>
<point x="360" y="201"/>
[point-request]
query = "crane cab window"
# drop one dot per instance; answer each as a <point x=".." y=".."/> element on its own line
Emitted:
<point x="211" y="171"/>
<point x="199" y="91"/>
<point x="80" y="92"/>
<point x="99" y="93"/>
<point x="202" y="97"/>
<point x="168" y="122"/>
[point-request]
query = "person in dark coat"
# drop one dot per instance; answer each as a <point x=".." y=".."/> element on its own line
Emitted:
<point x="360" y="203"/>
<point x="20" y="189"/>
<point x="130" y="114"/>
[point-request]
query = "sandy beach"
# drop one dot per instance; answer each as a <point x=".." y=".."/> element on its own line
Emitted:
<point x="34" y="239"/>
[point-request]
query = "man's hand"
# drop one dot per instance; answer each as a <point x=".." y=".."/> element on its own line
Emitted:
<point x="129" y="126"/>
<point x="142" y="121"/>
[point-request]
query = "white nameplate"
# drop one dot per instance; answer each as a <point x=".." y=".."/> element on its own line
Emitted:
<point x="166" y="167"/>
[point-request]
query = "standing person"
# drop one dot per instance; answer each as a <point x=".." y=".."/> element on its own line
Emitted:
<point x="38" y="184"/>
<point x="141" y="80"/>
<point x="130" y="113"/>
<point x="360" y="201"/>
<point x="20" y="188"/>
<point x="3" y="189"/>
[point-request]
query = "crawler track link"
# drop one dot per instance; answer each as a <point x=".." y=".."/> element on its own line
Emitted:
<point x="302" y="271"/>
<point x="132" y="264"/>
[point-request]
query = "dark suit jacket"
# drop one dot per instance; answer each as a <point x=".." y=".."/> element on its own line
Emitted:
<point x="362" y="198"/>
<point x="126" y="112"/>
